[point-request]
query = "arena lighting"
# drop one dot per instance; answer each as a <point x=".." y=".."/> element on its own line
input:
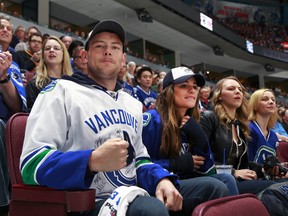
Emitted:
<point x="269" y="68"/>
<point x="206" y="22"/>
<point x="218" y="51"/>
<point x="143" y="15"/>
<point x="249" y="46"/>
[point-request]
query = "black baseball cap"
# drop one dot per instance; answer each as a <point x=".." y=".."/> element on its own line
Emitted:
<point x="107" y="26"/>
<point x="181" y="74"/>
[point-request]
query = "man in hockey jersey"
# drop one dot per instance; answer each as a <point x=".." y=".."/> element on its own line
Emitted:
<point x="85" y="132"/>
<point x="144" y="77"/>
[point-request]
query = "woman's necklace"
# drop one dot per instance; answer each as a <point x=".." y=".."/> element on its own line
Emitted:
<point x="239" y="141"/>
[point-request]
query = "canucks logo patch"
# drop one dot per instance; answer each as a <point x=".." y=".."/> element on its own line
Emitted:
<point x="146" y="118"/>
<point x="49" y="87"/>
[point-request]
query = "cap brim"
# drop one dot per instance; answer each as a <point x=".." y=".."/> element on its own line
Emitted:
<point x="107" y="26"/>
<point x="198" y="77"/>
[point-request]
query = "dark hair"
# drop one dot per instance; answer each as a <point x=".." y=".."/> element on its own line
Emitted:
<point x="77" y="51"/>
<point x="74" y="44"/>
<point x="33" y="27"/>
<point x="35" y="34"/>
<point x="141" y="70"/>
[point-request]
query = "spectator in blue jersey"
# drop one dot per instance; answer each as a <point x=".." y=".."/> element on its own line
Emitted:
<point x="146" y="96"/>
<point x="263" y="117"/>
<point x="95" y="140"/>
<point x="172" y="135"/>
<point x="12" y="100"/>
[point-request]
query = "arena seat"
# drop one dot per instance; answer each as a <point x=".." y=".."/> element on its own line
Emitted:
<point x="238" y="205"/>
<point x="282" y="151"/>
<point x="37" y="200"/>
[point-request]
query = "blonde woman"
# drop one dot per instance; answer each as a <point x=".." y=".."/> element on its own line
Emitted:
<point x="227" y="129"/>
<point x="263" y="117"/>
<point x="54" y="63"/>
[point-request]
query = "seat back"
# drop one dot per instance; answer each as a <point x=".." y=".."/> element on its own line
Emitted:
<point x="37" y="200"/>
<point x="238" y="205"/>
<point x="15" y="131"/>
<point x="282" y="151"/>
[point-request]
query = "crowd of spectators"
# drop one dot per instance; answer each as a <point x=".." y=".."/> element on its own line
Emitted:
<point x="259" y="32"/>
<point x="270" y="36"/>
<point x="145" y="82"/>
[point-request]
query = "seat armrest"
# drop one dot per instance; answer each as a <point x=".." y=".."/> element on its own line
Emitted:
<point x="75" y="201"/>
<point x="80" y="200"/>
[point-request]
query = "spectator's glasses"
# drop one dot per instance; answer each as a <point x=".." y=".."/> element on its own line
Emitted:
<point x="55" y="48"/>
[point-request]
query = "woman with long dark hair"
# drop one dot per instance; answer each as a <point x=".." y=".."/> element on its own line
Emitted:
<point x="174" y="138"/>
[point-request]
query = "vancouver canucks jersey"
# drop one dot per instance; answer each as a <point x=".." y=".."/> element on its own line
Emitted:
<point x="67" y="122"/>
<point x="261" y="147"/>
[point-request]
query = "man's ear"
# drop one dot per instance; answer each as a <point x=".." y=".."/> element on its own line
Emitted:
<point x="83" y="53"/>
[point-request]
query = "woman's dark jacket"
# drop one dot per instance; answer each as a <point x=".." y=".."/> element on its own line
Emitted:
<point x="220" y="139"/>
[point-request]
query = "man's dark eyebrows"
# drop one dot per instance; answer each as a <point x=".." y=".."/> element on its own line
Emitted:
<point x="116" y="42"/>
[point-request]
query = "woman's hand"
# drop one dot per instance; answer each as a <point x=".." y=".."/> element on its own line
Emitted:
<point x="245" y="174"/>
<point x="198" y="161"/>
<point x="184" y="120"/>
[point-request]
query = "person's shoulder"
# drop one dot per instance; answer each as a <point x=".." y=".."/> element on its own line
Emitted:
<point x="152" y="112"/>
<point x="150" y="116"/>
<point x="129" y="99"/>
<point x="209" y="114"/>
<point x="209" y="117"/>
<point x="70" y="85"/>
<point x="154" y="94"/>
<point x="253" y="127"/>
<point x="20" y="46"/>
<point x="31" y="82"/>
<point x="20" y="52"/>
<point x="273" y="134"/>
<point x="252" y="124"/>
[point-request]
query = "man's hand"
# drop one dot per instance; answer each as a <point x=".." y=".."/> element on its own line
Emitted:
<point x="169" y="195"/>
<point x="5" y="62"/>
<point x="36" y="56"/>
<point x="110" y="156"/>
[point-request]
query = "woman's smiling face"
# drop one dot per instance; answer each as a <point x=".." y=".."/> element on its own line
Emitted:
<point x="185" y="94"/>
